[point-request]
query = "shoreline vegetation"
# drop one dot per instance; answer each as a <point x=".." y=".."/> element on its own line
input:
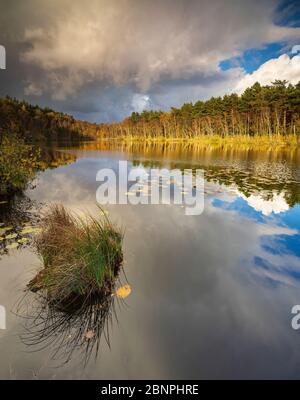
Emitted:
<point x="262" y="117"/>
<point x="255" y="141"/>
<point x="25" y="132"/>
<point x="20" y="162"/>
<point x="34" y="124"/>
<point x="260" y="114"/>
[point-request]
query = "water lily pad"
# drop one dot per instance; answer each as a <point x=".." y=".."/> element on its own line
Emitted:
<point x="12" y="236"/>
<point x="12" y="246"/>
<point x="27" y="229"/>
<point x="7" y="228"/>
<point x="30" y="229"/>
<point x="22" y="240"/>
<point x="123" y="292"/>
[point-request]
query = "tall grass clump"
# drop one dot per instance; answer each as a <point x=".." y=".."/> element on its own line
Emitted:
<point x="81" y="257"/>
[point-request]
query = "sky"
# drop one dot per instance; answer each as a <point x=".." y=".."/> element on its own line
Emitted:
<point x="103" y="59"/>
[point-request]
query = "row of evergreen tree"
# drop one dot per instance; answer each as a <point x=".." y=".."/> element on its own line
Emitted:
<point x="260" y="110"/>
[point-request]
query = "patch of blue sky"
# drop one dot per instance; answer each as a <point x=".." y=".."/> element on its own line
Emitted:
<point x="264" y="264"/>
<point x="282" y="244"/>
<point x="271" y="277"/>
<point x="241" y="206"/>
<point x="287" y="14"/>
<point x="289" y="218"/>
<point x="251" y="59"/>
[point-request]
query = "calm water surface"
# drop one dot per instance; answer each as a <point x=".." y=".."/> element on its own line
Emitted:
<point x="211" y="294"/>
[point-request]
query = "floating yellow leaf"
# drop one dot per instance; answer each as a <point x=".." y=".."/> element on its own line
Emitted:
<point x="1" y="238"/>
<point x="89" y="335"/>
<point x="123" y="291"/>
<point x="12" y="236"/>
<point x="12" y="246"/>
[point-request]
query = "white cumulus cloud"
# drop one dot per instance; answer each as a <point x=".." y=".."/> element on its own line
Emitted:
<point x="275" y="205"/>
<point x="282" y="68"/>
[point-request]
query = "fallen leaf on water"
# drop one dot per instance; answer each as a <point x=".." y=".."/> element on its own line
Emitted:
<point x="123" y="291"/>
<point x="12" y="236"/>
<point x="89" y="335"/>
<point x="12" y="246"/>
<point x="1" y="238"/>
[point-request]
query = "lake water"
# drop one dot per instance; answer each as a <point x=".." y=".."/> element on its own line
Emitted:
<point x="211" y="294"/>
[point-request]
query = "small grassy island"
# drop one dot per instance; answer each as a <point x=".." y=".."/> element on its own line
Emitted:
<point x="82" y="258"/>
<point x="72" y="298"/>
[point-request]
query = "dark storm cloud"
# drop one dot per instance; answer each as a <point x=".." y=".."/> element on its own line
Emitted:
<point x="95" y="58"/>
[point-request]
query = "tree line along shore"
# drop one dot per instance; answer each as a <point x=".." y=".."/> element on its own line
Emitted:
<point x="271" y="111"/>
<point x="261" y="111"/>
